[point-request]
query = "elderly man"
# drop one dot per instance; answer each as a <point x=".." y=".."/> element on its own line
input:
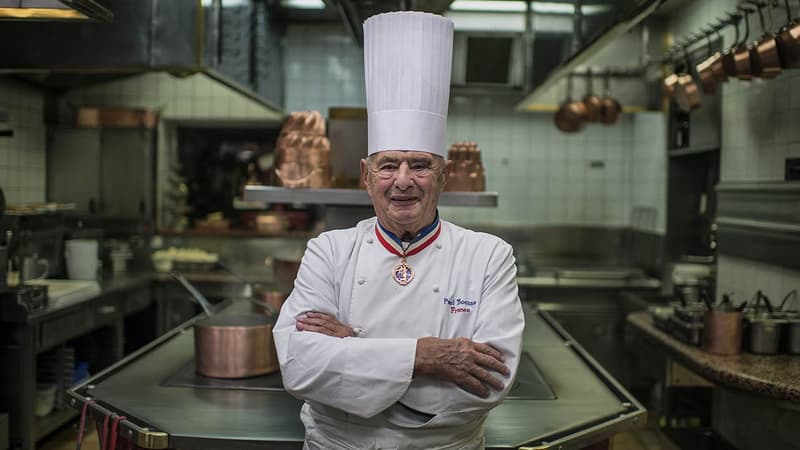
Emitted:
<point x="404" y="331"/>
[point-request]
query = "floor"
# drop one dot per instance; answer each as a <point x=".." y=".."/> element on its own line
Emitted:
<point x="648" y="438"/>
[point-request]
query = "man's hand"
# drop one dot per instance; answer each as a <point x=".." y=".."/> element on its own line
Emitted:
<point x="466" y="363"/>
<point x="323" y="323"/>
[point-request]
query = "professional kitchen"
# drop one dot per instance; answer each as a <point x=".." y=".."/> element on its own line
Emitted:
<point x="427" y="224"/>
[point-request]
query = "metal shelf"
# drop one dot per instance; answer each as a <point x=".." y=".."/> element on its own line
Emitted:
<point x="354" y="197"/>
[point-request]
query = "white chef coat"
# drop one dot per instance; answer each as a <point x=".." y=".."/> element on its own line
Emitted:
<point x="360" y="391"/>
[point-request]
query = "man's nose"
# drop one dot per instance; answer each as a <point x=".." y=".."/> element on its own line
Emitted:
<point x="404" y="179"/>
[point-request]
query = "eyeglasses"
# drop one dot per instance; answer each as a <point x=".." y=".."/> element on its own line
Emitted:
<point x="418" y="168"/>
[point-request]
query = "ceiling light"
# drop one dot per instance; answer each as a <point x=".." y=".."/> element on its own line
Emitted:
<point x="303" y="4"/>
<point x="54" y="10"/>
<point x="519" y="6"/>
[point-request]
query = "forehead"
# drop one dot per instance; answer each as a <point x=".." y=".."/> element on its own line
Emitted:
<point x="399" y="155"/>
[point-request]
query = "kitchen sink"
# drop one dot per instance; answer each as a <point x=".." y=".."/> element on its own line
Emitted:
<point x="529" y="383"/>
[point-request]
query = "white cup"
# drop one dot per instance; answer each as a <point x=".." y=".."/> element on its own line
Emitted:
<point x="81" y="256"/>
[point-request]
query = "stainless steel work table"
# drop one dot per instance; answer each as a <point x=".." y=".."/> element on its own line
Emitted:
<point x="589" y="405"/>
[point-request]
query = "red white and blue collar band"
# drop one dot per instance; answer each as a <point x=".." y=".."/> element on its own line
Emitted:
<point x="423" y="239"/>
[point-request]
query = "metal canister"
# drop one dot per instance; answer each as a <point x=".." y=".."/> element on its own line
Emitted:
<point x="722" y="332"/>
<point x="765" y="335"/>
<point x="793" y="340"/>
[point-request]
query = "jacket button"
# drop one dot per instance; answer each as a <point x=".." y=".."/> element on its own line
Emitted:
<point x="362" y="281"/>
<point x="436" y="289"/>
<point x="439" y="246"/>
<point x="369" y="240"/>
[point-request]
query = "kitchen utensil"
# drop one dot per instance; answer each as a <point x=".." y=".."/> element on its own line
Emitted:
<point x="687" y="95"/>
<point x="272" y="300"/>
<point x="231" y="345"/>
<point x="34" y="268"/>
<point x="722" y="332"/>
<point x="788" y="41"/>
<point x="792" y="327"/>
<point x="611" y="107"/>
<point x="729" y="56"/>
<point x="234" y="346"/>
<point x="670" y="82"/>
<point x="593" y="103"/>
<point x="742" y="53"/>
<point x="765" y="335"/>
<point x="706" y="75"/>
<point x="717" y="67"/>
<point x="764" y="53"/>
<point x="569" y="117"/>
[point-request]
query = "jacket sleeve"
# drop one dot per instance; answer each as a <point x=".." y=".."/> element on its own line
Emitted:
<point x="500" y="323"/>
<point x="359" y="376"/>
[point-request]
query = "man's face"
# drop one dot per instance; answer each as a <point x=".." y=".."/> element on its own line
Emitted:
<point x="404" y="187"/>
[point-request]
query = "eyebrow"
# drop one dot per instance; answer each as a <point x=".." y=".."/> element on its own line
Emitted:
<point x="415" y="159"/>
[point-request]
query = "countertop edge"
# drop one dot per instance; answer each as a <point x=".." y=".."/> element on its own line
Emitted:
<point x="718" y="368"/>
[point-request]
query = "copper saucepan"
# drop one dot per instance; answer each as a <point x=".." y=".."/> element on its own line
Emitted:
<point x="235" y="345"/>
<point x="704" y="71"/>
<point x="569" y="117"/>
<point x="788" y="41"/>
<point x="729" y="56"/>
<point x="594" y="104"/>
<point x="611" y="107"/>
<point x="744" y="69"/>
<point x="687" y="94"/>
<point x="764" y="53"/>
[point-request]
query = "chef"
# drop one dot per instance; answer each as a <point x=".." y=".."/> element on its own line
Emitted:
<point x="404" y="331"/>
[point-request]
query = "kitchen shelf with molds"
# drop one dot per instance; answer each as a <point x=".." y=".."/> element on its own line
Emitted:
<point x="351" y="197"/>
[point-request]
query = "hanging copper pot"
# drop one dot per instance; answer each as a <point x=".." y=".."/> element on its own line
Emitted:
<point x="593" y="103"/>
<point x="729" y="55"/>
<point x="570" y="115"/>
<point x="687" y="94"/>
<point x="744" y="70"/>
<point x="764" y="53"/>
<point x="669" y="84"/>
<point x="788" y="41"/>
<point x="611" y="107"/>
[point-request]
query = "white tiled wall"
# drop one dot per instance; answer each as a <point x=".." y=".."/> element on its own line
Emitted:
<point x="22" y="157"/>
<point x="196" y="97"/>
<point x="542" y="175"/>
<point x="759" y="130"/>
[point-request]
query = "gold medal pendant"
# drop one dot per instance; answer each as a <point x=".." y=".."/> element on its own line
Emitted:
<point x="403" y="273"/>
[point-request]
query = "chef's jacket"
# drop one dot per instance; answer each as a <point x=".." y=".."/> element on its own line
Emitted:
<point x="360" y="391"/>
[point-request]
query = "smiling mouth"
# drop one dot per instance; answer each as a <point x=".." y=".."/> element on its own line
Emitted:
<point x="404" y="200"/>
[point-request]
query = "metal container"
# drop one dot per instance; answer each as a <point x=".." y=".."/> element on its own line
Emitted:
<point x="722" y="332"/>
<point x="234" y="346"/>
<point x="765" y="335"/>
<point x="792" y="329"/>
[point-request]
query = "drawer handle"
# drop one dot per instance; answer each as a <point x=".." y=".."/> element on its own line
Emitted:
<point x="107" y="309"/>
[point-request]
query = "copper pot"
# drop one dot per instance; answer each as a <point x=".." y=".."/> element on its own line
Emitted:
<point x="687" y="95"/>
<point x="234" y="346"/>
<point x="744" y="70"/>
<point x="669" y="84"/>
<point x="569" y="117"/>
<point x="718" y="70"/>
<point x="722" y="332"/>
<point x="593" y="103"/>
<point x="611" y="107"/>
<point x="271" y="301"/>
<point x="788" y="42"/>
<point x="764" y="56"/>
<point x="707" y="82"/>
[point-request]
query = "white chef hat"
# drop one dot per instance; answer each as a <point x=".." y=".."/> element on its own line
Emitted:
<point x="407" y="61"/>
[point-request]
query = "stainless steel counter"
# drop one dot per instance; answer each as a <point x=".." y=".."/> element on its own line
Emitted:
<point x="589" y="406"/>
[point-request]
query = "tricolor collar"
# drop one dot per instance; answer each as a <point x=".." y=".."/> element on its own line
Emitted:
<point x="424" y="238"/>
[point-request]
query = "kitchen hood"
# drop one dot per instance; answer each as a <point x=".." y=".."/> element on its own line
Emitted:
<point x="54" y="10"/>
<point x="234" y="42"/>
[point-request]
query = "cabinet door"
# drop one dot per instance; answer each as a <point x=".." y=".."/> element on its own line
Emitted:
<point x="127" y="173"/>
<point x="73" y="168"/>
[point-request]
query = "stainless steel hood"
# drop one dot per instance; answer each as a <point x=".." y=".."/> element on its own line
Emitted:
<point x="54" y="10"/>
<point x="234" y="42"/>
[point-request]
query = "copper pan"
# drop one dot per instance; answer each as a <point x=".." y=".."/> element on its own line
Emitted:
<point x="729" y="55"/>
<point x="706" y="76"/>
<point x="764" y="53"/>
<point x="687" y="95"/>
<point x="611" y="107"/>
<point x="744" y="70"/>
<point x="234" y="346"/>
<point x="788" y="41"/>
<point x="594" y="104"/>
<point x="669" y="84"/>
<point x="570" y="115"/>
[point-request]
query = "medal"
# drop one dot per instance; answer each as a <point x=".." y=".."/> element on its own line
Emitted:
<point x="403" y="273"/>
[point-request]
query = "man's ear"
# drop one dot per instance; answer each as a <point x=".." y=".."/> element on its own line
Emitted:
<point x="448" y="168"/>
<point x="364" y="171"/>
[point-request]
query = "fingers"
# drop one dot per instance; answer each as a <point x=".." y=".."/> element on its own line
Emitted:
<point x="492" y="363"/>
<point x="486" y="377"/>
<point x="473" y="385"/>
<point x="324" y="324"/>
<point x="489" y="350"/>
